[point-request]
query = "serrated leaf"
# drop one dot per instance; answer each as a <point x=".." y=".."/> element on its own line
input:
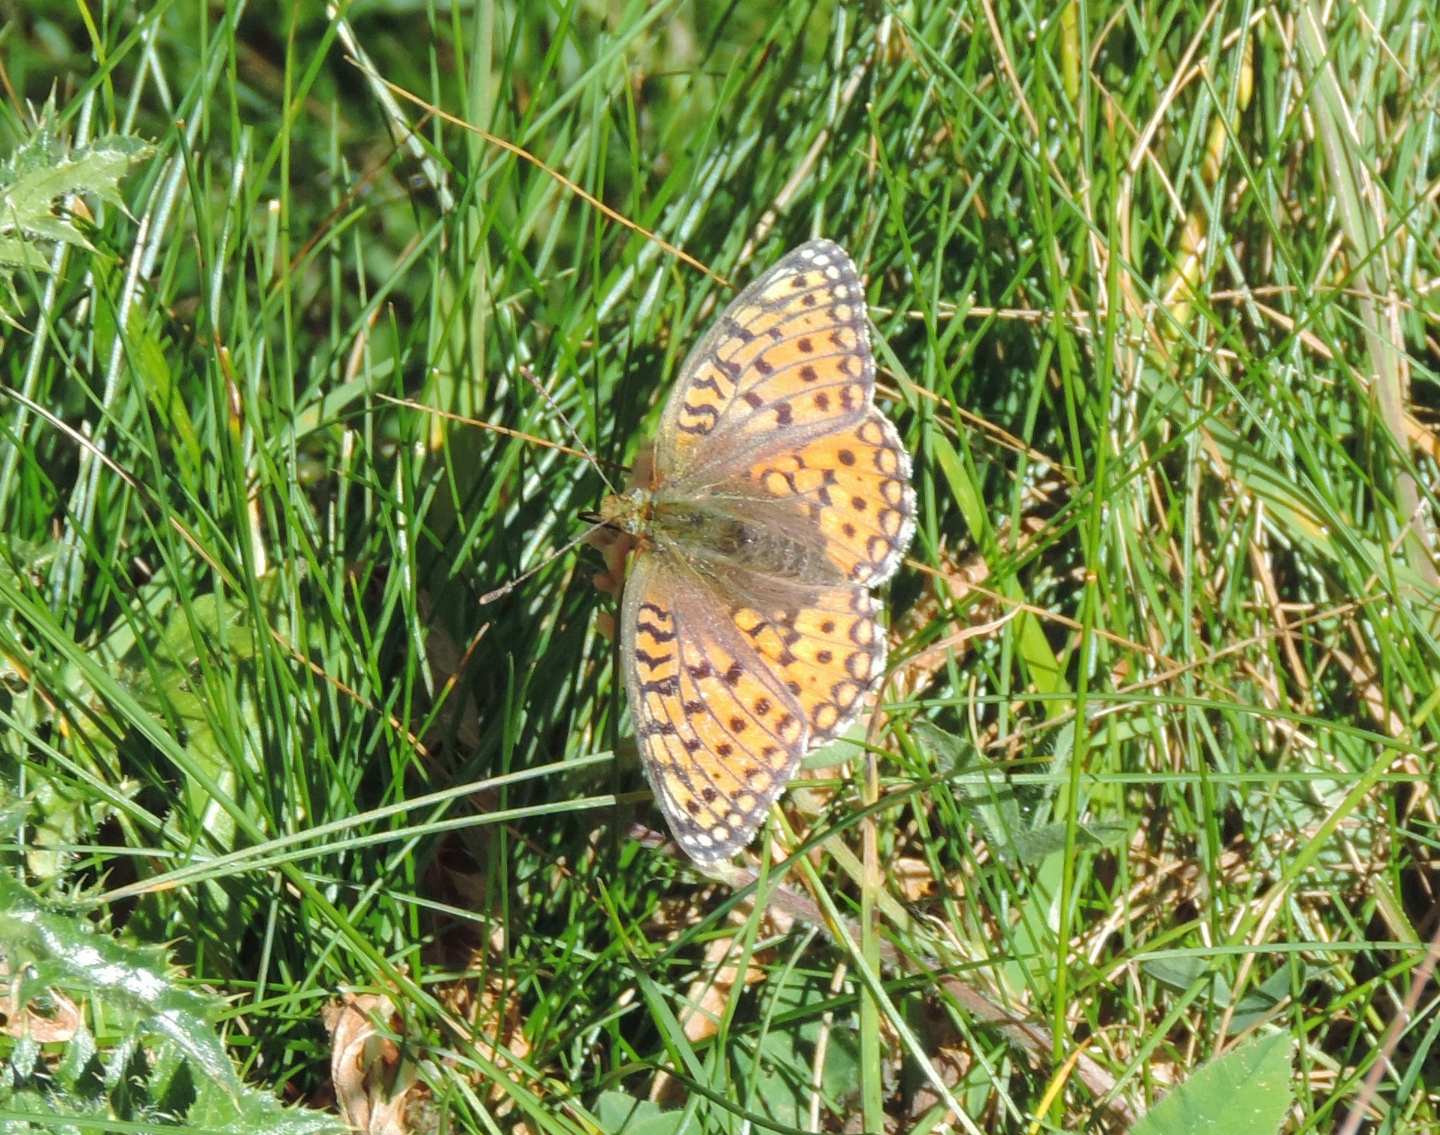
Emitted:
<point x="41" y="175"/>
<point x="12" y="815"/>
<point x="24" y="1057"/>
<point x="31" y="1111"/>
<point x="79" y="1068"/>
<point x="41" y="172"/>
<point x="1247" y="1089"/>
<point x="60" y="817"/>
<point x="22" y="255"/>
<point x="246" y="1111"/>
<point x="37" y="152"/>
<point x="183" y="1079"/>
<point x="950" y="754"/>
<point x="992" y="801"/>
<point x="63" y="952"/>
<point x="50" y="227"/>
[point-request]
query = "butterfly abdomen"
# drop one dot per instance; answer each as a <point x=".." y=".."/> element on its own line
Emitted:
<point x="722" y="539"/>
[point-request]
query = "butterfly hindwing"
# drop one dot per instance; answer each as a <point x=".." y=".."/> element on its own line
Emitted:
<point x="853" y="484"/>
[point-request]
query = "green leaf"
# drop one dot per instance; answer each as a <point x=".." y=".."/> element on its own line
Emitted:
<point x="62" y="814"/>
<point x="95" y="169"/>
<point x="771" y="1086"/>
<point x="620" y="1114"/>
<point x="962" y="487"/>
<point x="1048" y="839"/>
<point x="61" y="951"/>
<point x="849" y="746"/>
<point x="991" y="799"/>
<point x="1247" y="1089"/>
<point x="1260" y="1001"/>
<point x="22" y="255"/>
<point x="43" y="170"/>
<point x="147" y="354"/>
<point x="168" y="1065"/>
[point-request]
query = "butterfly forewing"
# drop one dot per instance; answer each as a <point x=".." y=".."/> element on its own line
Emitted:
<point x="790" y="356"/>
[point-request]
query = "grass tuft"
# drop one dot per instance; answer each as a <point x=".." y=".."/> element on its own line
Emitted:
<point x="309" y="317"/>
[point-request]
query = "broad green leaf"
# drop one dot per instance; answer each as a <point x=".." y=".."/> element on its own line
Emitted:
<point x="620" y="1114"/>
<point x="43" y="170"/>
<point x="1049" y="839"/>
<point x="1247" y="1089"/>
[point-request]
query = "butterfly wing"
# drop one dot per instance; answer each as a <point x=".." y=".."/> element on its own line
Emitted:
<point x="727" y="692"/>
<point x="719" y="737"/>
<point x="789" y="359"/>
<point x="853" y="484"/>
<point x="783" y="387"/>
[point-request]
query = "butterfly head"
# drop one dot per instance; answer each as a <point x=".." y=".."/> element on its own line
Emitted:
<point x="627" y="512"/>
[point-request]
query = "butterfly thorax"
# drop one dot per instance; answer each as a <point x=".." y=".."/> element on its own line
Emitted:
<point x="712" y="537"/>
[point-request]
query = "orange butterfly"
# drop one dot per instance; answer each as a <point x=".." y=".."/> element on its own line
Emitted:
<point x="779" y="497"/>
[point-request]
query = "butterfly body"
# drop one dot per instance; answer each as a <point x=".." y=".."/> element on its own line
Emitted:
<point x="779" y="496"/>
<point x="710" y="536"/>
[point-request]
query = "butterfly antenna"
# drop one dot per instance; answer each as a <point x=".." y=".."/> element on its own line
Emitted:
<point x="501" y="592"/>
<point x="504" y="431"/>
<point x="574" y="433"/>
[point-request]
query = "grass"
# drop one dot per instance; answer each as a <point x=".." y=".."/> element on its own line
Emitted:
<point x="1154" y="294"/>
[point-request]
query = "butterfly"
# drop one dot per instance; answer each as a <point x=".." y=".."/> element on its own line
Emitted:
<point x="776" y="498"/>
